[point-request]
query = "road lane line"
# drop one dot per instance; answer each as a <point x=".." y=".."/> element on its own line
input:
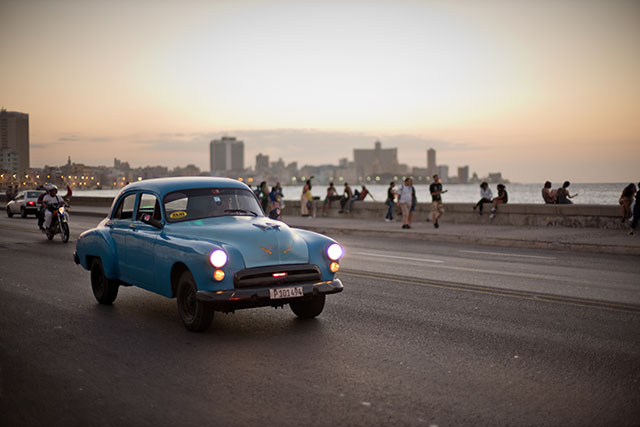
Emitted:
<point x="504" y="254"/>
<point x="399" y="257"/>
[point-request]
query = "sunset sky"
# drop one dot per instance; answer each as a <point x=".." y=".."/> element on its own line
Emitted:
<point x="536" y="89"/>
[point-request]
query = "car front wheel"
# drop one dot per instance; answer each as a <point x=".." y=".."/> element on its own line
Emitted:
<point x="23" y="212"/>
<point x="309" y="308"/>
<point x="104" y="289"/>
<point x="196" y="315"/>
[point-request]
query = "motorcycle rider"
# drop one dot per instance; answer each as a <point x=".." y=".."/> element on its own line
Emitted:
<point x="43" y="207"/>
<point x="48" y="200"/>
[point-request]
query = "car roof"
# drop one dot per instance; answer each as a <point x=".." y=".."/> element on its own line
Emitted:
<point x="163" y="186"/>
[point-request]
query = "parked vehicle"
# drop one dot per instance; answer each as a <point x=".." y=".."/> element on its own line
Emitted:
<point x="59" y="222"/>
<point x="24" y="203"/>
<point x="207" y="242"/>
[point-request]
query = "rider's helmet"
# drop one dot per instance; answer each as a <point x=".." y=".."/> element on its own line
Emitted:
<point x="52" y="189"/>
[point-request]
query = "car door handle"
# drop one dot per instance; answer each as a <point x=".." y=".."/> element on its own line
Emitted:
<point x="133" y="226"/>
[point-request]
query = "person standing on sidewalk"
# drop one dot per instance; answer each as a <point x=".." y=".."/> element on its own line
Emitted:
<point x="437" y="207"/>
<point x="636" y="213"/>
<point x="391" y="196"/>
<point x="405" y="194"/>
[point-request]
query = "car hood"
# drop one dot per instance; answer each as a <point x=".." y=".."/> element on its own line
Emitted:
<point x="260" y="240"/>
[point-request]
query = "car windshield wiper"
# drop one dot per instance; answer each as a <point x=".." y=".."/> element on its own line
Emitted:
<point x="241" y="211"/>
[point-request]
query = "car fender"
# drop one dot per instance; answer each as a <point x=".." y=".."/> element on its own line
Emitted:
<point x="97" y="242"/>
<point x="317" y="245"/>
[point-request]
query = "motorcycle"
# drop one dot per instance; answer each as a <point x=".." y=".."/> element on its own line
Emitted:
<point x="59" y="222"/>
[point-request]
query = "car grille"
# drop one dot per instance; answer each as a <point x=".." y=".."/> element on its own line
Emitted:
<point x="264" y="276"/>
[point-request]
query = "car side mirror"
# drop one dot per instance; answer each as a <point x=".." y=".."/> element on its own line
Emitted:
<point x="275" y="213"/>
<point x="148" y="219"/>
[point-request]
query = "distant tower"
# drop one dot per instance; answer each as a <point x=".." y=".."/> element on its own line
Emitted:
<point x="226" y="154"/>
<point x="262" y="163"/>
<point x="432" y="169"/>
<point x="14" y="139"/>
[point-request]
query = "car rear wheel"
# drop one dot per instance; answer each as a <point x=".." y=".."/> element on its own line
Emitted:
<point x="9" y="213"/>
<point x="105" y="290"/>
<point x="308" y="308"/>
<point x="196" y="315"/>
<point x="23" y="212"/>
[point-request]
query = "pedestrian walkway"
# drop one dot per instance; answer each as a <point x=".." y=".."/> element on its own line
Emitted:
<point x="593" y="240"/>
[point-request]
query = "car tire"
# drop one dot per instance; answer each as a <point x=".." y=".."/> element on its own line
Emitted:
<point x="9" y="213"/>
<point x="23" y="212"/>
<point x="196" y="315"/>
<point x="308" y="308"/>
<point x="104" y="289"/>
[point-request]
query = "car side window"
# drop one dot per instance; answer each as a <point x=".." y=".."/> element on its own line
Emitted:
<point x="149" y="204"/>
<point x="125" y="207"/>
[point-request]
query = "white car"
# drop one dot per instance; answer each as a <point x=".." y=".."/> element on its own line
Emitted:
<point x="25" y="203"/>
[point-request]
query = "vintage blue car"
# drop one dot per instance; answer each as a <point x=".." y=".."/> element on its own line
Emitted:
<point x="207" y="242"/>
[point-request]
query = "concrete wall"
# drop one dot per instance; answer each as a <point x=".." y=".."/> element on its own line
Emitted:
<point x="538" y="215"/>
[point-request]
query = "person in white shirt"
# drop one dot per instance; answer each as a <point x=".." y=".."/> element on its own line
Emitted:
<point x="485" y="197"/>
<point x="405" y="196"/>
<point x="49" y="200"/>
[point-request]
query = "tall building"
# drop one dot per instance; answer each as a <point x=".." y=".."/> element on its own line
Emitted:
<point x="14" y="141"/>
<point x="432" y="169"/>
<point x="443" y="172"/>
<point x="226" y="154"/>
<point x="262" y="163"/>
<point x="463" y="174"/>
<point x="376" y="161"/>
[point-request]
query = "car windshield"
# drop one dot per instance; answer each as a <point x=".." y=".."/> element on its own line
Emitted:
<point x="185" y="205"/>
<point x="34" y="194"/>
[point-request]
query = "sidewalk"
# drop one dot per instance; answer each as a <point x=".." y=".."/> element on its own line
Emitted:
<point x="593" y="240"/>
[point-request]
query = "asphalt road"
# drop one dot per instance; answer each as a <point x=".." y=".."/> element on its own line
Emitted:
<point x="483" y="337"/>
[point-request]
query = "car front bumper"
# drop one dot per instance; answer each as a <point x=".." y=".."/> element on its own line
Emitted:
<point x="260" y="297"/>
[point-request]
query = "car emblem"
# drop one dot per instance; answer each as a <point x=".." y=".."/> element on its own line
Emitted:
<point x="268" y="226"/>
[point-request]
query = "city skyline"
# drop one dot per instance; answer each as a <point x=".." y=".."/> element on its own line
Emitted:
<point x="549" y="90"/>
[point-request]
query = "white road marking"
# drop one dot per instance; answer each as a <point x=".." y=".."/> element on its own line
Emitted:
<point x="399" y="257"/>
<point x="504" y="254"/>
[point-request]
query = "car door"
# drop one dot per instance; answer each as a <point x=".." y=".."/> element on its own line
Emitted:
<point x="18" y="201"/>
<point x="141" y="242"/>
<point x="122" y="225"/>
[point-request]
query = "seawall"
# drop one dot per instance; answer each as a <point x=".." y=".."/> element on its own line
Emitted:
<point x="537" y="215"/>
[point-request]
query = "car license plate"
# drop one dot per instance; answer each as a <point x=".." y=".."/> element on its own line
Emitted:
<point x="279" y="293"/>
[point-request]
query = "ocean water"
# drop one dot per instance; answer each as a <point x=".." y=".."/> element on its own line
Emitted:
<point x="597" y="194"/>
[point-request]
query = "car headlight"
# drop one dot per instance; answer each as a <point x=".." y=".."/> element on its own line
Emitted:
<point x="335" y="252"/>
<point x="218" y="258"/>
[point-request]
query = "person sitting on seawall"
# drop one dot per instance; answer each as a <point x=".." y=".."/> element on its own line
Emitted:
<point x="358" y="197"/>
<point x="332" y="194"/>
<point x="391" y="195"/>
<point x="548" y="195"/>
<point x="636" y="213"/>
<point x="274" y="199"/>
<point x="47" y="188"/>
<point x="626" y="199"/>
<point x="563" y="195"/>
<point x="346" y="196"/>
<point x="503" y="197"/>
<point x="485" y="197"/>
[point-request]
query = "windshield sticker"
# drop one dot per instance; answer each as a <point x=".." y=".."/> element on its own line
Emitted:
<point x="215" y="191"/>
<point x="178" y="214"/>
<point x="217" y="200"/>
